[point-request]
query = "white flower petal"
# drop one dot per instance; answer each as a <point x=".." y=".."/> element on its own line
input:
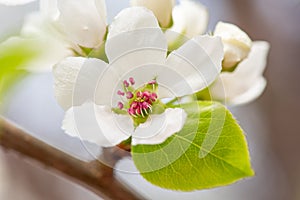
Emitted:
<point x="190" y="18"/>
<point x="135" y="29"/>
<point x="82" y="22"/>
<point x="76" y="80"/>
<point x="108" y="83"/>
<point x="252" y="93"/>
<point x="37" y="25"/>
<point x="137" y="47"/>
<point x="246" y="83"/>
<point x="161" y="9"/>
<point x="96" y="124"/>
<point x="256" y="62"/>
<point x="131" y="44"/>
<point x="159" y="127"/>
<point x="199" y="63"/>
<point x="237" y="43"/>
<point x="130" y="19"/>
<point x="15" y="2"/>
<point x="101" y="7"/>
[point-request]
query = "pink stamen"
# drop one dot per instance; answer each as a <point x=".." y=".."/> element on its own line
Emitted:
<point x="143" y="105"/>
<point x="139" y="94"/>
<point x="126" y="84"/>
<point x="132" y="81"/>
<point x="120" y="93"/>
<point x="138" y="111"/>
<point x="153" y="96"/>
<point x="134" y="105"/>
<point x="152" y="82"/>
<point x="141" y="102"/>
<point x="129" y="95"/>
<point x="131" y="111"/>
<point x="120" y="105"/>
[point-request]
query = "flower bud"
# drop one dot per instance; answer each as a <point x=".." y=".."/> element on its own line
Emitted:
<point x="237" y="43"/>
<point x="190" y="18"/>
<point x="161" y="9"/>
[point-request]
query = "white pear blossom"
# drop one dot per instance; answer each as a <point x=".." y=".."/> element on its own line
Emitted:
<point x="62" y="28"/>
<point x="80" y="23"/>
<point x="246" y="82"/>
<point x="161" y="9"/>
<point x="108" y="103"/>
<point x="237" y="43"/>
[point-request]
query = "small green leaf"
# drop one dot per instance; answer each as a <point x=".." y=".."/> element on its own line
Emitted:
<point x="209" y="151"/>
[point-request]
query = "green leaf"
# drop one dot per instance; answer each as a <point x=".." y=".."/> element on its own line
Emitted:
<point x="209" y="151"/>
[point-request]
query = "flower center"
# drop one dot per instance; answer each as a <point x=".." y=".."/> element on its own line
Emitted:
<point x="138" y="103"/>
<point x="141" y="105"/>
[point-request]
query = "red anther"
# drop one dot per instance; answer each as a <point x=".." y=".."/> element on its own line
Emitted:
<point x="120" y="93"/>
<point x="129" y="95"/>
<point x="140" y="102"/>
<point x="120" y="105"/>
<point x="134" y="105"/>
<point x="139" y="94"/>
<point x="145" y="105"/>
<point x="132" y="81"/>
<point x="152" y="82"/>
<point x="146" y="95"/>
<point x="138" y="111"/>
<point x="126" y="84"/>
<point x="153" y="96"/>
<point x="131" y="111"/>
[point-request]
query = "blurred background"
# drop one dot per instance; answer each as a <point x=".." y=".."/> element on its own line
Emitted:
<point x="271" y="122"/>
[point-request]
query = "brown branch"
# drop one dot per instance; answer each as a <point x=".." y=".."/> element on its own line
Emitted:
<point x="94" y="175"/>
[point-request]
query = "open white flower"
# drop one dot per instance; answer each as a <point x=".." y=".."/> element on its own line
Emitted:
<point x="237" y="43"/>
<point x="246" y="82"/>
<point x="108" y="103"/>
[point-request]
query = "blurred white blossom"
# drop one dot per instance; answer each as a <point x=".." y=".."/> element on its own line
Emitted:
<point x="63" y="28"/>
<point x="246" y="82"/>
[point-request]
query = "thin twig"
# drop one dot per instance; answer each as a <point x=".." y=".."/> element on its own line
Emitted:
<point x="94" y="175"/>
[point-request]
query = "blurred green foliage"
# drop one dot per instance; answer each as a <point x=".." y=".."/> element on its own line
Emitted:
<point x="15" y="55"/>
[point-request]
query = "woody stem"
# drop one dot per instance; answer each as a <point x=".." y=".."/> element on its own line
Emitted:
<point x="93" y="175"/>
